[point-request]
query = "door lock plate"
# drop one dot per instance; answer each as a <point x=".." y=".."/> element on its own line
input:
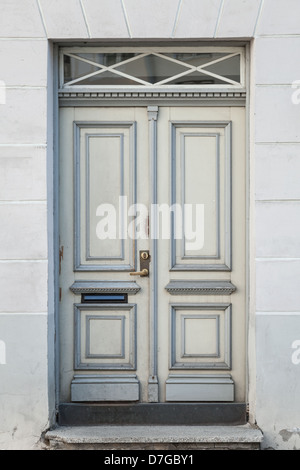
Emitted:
<point x="144" y="260"/>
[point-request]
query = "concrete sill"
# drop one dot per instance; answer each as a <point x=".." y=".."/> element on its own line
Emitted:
<point x="154" y="437"/>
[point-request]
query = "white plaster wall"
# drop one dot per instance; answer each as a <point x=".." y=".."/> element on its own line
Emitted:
<point x="26" y="311"/>
<point x="277" y="160"/>
<point x="23" y="234"/>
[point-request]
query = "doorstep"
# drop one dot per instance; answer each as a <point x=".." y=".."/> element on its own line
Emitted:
<point x="154" y="438"/>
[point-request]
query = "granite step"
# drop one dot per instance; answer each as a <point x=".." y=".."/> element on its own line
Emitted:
<point x="245" y="437"/>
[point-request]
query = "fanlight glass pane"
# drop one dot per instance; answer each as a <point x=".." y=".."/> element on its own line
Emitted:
<point x="106" y="58"/>
<point x="229" y="68"/>
<point x="107" y="78"/>
<point x="152" y="69"/>
<point x="196" y="59"/>
<point x="197" y="78"/>
<point x="74" y="69"/>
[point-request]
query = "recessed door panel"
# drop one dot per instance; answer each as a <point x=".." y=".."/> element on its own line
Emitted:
<point x="105" y="180"/>
<point x="201" y="178"/>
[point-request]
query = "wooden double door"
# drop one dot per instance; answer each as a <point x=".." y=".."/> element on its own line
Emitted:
<point x="152" y="254"/>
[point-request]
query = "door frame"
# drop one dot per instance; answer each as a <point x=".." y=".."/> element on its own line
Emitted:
<point x="56" y="255"/>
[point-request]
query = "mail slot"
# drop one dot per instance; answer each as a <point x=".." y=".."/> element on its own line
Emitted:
<point x="104" y="298"/>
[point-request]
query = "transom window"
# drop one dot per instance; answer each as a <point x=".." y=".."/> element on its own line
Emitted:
<point x="95" y="67"/>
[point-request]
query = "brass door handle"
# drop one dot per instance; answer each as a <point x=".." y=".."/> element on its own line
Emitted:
<point x="144" y="264"/>
<point x="143" y="273"/>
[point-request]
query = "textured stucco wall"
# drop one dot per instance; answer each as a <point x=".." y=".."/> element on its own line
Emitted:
<point x="25" y="143"/>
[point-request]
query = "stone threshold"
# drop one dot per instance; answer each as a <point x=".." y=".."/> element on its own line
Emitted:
<point x="154" y="437"/>
<point x="153" y="414"/>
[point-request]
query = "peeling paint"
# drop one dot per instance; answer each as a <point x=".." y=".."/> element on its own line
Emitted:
<point x="286" y="434"/>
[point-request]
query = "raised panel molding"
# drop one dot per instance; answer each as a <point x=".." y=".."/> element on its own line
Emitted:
<point x="119" y="174"/>
<point x="221" y="357"/>
<point x="219" y="257"/>
<point x="214" y="337"/>
<point x="119" y="352"/>
<point x="124" y="260"/>
<point x="123" y="342"/>
<point x="178" y="287"/>
<point x="204" y="388"/>
<point x="98" y="388"/>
